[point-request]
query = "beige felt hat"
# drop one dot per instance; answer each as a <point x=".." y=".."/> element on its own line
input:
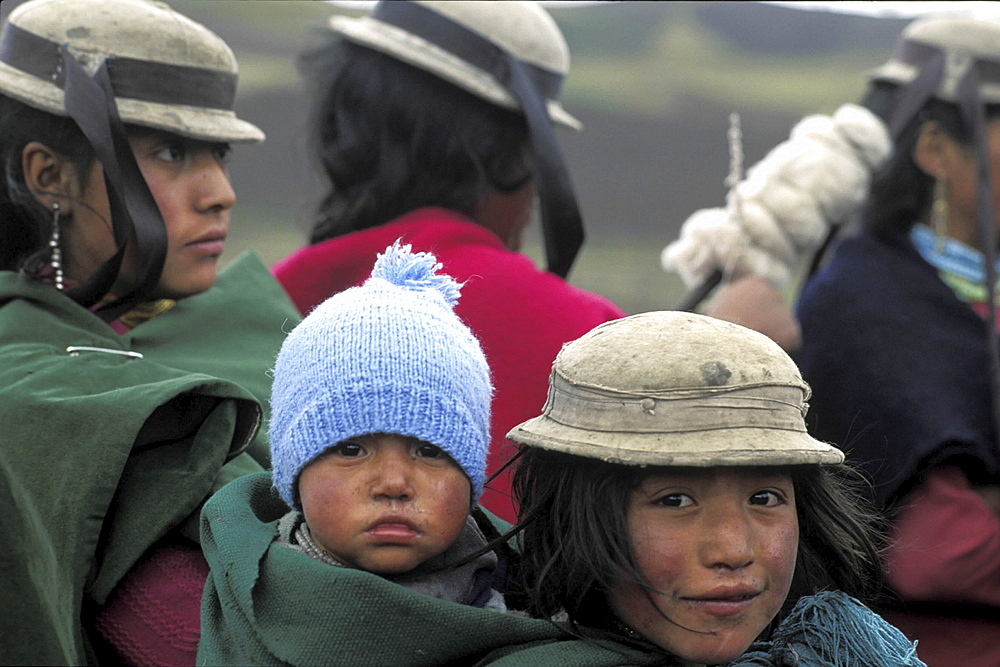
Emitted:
<point x="169" y="72"/>
<point x="524" y="29"/>
<point x="961" y="39"/>
<point x="676" y="389"/>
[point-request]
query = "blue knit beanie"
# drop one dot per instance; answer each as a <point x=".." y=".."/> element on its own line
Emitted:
<point x="389" y="356"/>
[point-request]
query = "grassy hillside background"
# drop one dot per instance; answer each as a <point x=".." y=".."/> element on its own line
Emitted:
<point x="653" y="82"/>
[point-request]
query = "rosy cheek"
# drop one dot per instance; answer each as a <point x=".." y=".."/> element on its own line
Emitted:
<point x="321" y="486"/>
<point x="452" y="496"/>
<point x="782" y="551"/>
<point x="656" y="555"/>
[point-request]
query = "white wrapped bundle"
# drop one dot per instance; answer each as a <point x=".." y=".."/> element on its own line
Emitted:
<point x="783" y="209"/>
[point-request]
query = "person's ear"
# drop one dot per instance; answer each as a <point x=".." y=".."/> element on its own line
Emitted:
<point x="48" y="175"/>
<point x="930" y="149"/>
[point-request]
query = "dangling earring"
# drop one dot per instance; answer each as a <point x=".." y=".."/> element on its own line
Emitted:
<point x="939" y="215"/>
<point x="55" y="253"/>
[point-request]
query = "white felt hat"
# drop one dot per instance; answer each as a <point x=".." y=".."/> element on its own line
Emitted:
<point x="523" y="29"/>
<point x="962" y="40"/>
<point x="170" y="73"/>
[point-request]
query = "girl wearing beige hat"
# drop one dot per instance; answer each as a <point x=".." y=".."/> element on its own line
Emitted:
<point x="132" y="373"/>
<point x="672" y="499"/>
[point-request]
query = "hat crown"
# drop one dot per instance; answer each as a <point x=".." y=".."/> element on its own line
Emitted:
<point x="170" y="73"/>
<point x="675" y="351"/>
<point x="961" y="40"/>
<point x="676" y="389"/>
<point x="974" y="38"/>
<point x="140" y="29"/>
<point x="524" y="29"/>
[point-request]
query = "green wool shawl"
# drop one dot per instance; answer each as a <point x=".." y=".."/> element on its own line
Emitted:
<point x="103" y="453"/>
<point x="266" y="604"/>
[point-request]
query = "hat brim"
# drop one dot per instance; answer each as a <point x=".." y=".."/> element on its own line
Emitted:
<point x="198" y="123"/>
<point x="420" y="53"/>
<point x="741" y="446"/>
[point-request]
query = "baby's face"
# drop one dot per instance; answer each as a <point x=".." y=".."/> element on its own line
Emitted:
<point x="384" y="503"/>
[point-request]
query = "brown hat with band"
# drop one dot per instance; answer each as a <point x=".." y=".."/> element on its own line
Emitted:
<point x="673" y="388"/>
<point x="524" y="29"/>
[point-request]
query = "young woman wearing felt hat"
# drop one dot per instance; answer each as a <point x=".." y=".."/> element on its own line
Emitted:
<point x="900" y="337"/>
<point x="898" y="332"/>
<point x="132" y="374"/>
<point x="433" y="123"/>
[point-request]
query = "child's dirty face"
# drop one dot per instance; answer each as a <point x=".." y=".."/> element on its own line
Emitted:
<point x="384" y="503"/>
<point x="718" y="548"/>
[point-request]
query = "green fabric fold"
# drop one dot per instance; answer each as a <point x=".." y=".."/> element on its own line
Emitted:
<point x="104" y="451"/>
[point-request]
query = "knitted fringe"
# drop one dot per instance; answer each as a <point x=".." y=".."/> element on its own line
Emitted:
<point x="832" y="629"/>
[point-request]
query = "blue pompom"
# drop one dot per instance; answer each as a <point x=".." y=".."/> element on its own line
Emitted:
<point x="401" y="266"/>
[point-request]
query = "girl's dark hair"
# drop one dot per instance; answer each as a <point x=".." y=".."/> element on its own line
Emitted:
<point x="901" y="192"/>
<point x="575" y="539"/>
<point x="392" y="138"/>
<point x="25" y="225"/>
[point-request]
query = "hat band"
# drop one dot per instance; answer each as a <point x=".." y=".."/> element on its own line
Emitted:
<point x="143" y="80"/>
<point x="777" y="407"/>
<point x="461" y="42"/>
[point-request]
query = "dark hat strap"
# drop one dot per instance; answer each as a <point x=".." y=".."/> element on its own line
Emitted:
<point x="916" y="94"/>
<point x="90" y="102"/>
<point x="562" y="224"/>
<point x="971" y="106"/>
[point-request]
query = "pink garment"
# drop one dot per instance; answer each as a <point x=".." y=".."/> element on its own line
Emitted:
<point x="153" y="617"/>
<point x="521" y="315"/>
<point x="945" y="547"/>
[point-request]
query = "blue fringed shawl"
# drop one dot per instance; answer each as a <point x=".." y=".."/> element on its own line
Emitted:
<point x="832" y="629"/>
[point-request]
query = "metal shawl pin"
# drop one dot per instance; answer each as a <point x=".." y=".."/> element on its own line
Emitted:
<point x="75" y="350"/>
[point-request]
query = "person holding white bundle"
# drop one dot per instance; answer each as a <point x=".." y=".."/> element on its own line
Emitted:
<point x="898" y="326"/>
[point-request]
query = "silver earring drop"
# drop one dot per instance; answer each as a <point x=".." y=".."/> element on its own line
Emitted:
<point x="939" y="215"/>
<point x="55" y="252"/>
